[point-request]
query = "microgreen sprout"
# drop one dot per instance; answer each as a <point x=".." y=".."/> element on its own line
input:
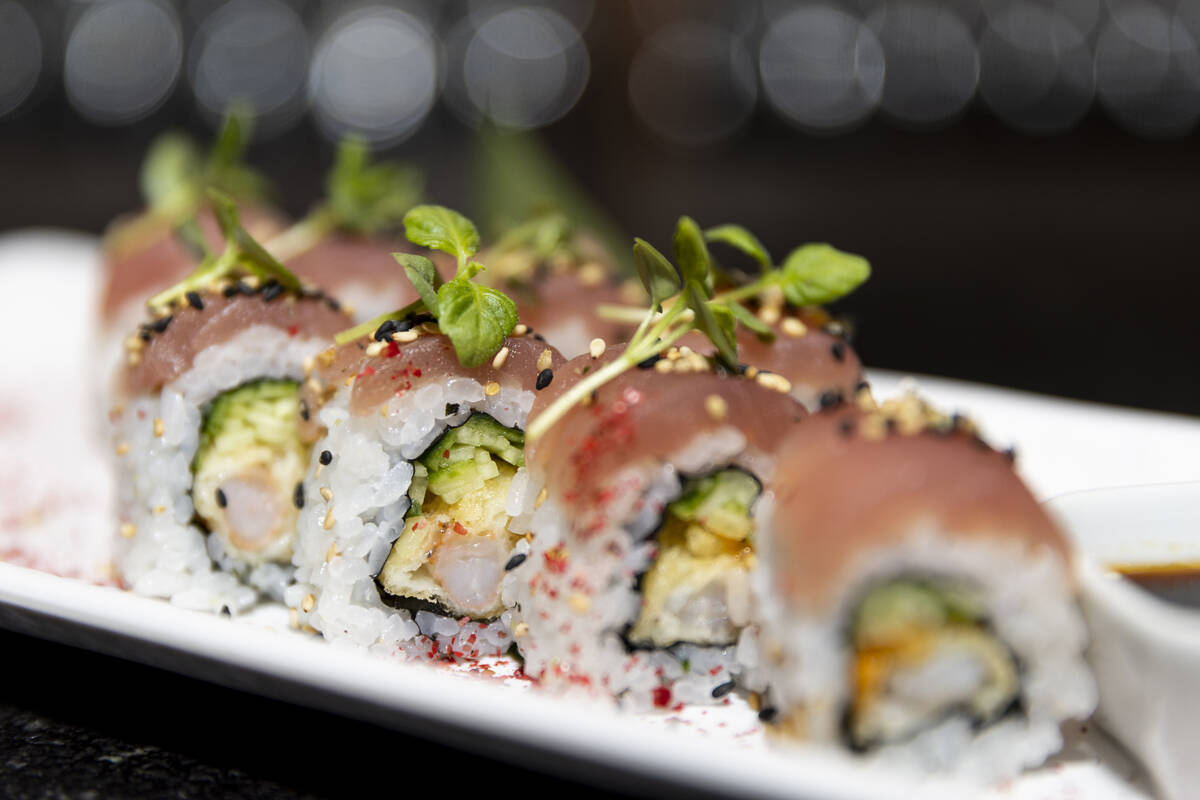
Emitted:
<point x="361" y="198"/>
<point x="681" y="301"/>
<point x="175" y="174"/>
<point x="811" y="275"/>
<point x="476" y="318"/>
<point x="242" y="256"/>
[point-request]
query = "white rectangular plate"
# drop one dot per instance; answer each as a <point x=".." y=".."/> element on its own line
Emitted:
<point x="55" y="517"/>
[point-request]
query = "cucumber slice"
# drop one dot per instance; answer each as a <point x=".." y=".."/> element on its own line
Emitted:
<point x="721" y="502"/>
<point x="900" y="605"/>
<point x="417" y="489"/>
<point x="479" y="432"/>
<point x="457" y="480"/>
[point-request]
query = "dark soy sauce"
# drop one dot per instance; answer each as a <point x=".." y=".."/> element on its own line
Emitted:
<point x="1178" y="584"/>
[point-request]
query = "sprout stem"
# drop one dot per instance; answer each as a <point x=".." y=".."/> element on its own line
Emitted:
<point x="303" y="236"/>
<point x="647" y="342"/>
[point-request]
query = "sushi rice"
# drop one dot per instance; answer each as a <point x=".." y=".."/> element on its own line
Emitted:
<point x="162" y="552"/>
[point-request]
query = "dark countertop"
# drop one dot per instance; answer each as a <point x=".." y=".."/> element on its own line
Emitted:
<point x="75" y="724"/>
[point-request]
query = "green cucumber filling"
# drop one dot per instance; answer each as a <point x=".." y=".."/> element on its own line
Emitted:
<point x="248" y="464"/>
<point x="455" y="544"/>
<point x="697" y="589"/>
<point x="922" y="650"/>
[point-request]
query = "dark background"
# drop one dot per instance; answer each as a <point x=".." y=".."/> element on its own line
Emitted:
<point x="1055" y="257"/>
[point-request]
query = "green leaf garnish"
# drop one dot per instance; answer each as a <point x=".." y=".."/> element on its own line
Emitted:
<point x="367" y="198"/>
<point x="747" y="318"/>
<point x="714" y="321"/>
<point x="692" y="309"/>
<point x="691" y="253"/>
<point x="816" y="274"/>
<point x="656" y="273"/>
<point x="440" y="228"/>
<point x="242" y="254"/>
<point x="476" y="318"/>
<point x="170" y="173"/>
<point x="742" y="239"/>
<point x="422" y="275"/>
<point x="175" y="174"/>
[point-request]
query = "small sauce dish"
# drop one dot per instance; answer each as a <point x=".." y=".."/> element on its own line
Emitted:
<point x="1145" y="624"/>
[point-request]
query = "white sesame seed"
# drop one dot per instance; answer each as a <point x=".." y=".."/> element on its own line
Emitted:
<point x="545" y="360"/>
<point x="579" y="602"/>
<point x="158" y="426"/>
<point x="404" y="337"/>
<point x="597" y="347"/>
<point x="501" y="357"/>
<point x="329" y="521"/>
<point x="794" y="328"/>
<point x="326" y="494"/>
<point x="716" y="406"/>
<point x="128" y="530"/>
<point x="374" y="349"/>
<point x="306" y="605"/>
<point x="491" y="389"/>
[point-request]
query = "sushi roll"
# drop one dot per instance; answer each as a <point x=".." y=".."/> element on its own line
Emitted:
<point x="638" y="582"/>
<point x="918" y="602"/>
<point x="207" y="430"/>
<point x="417" y="497"/>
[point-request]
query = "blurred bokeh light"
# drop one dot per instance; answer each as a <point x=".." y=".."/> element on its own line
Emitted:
<point x="122" y="59"/>
<point x="20" y="55"/>
<point x="696" y="72"/>
<point x="374" y="73"/>
<point x="821" y="68"/>
<point x="520" y="67"/>
<point x="256" y="52"/>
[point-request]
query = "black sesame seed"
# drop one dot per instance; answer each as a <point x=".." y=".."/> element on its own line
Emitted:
<point x="722" y="689"/>
<point x="451" y="409"/>
<point x="862" y="385"/>
<point x="543" y="379"/>
<point x="271" y="291"/>
<point x="539" y="337"/>
<point x="846" y="426"/>
<point x="649" y="362"/>
<point x="1011" y="454"/>
<point x="230" y="290"/>
<point x="144" y="334"/>
<point x="194" y="300"/>
<point x="304" y="412"/>
<point x="385" y="331"/>
<point x="326" y="457"/>
<point x="333" y="304"/>
<point x="838" y="351"/>
<point x="830" y="398"/>
<point x="515" y="562"/>
<point x="159" y="326"/>
<point x="246" y="289"/>
<point x="222" y="500"/>
<point x="768" y="714"/>
<point x="298" y="495"/>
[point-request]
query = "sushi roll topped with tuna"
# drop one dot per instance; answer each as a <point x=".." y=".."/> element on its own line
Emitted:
<point x="919" y="601"/>
<point x="418" y="496"/>
<point x="208" y="441"/>
<point x="652" y="460"/>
